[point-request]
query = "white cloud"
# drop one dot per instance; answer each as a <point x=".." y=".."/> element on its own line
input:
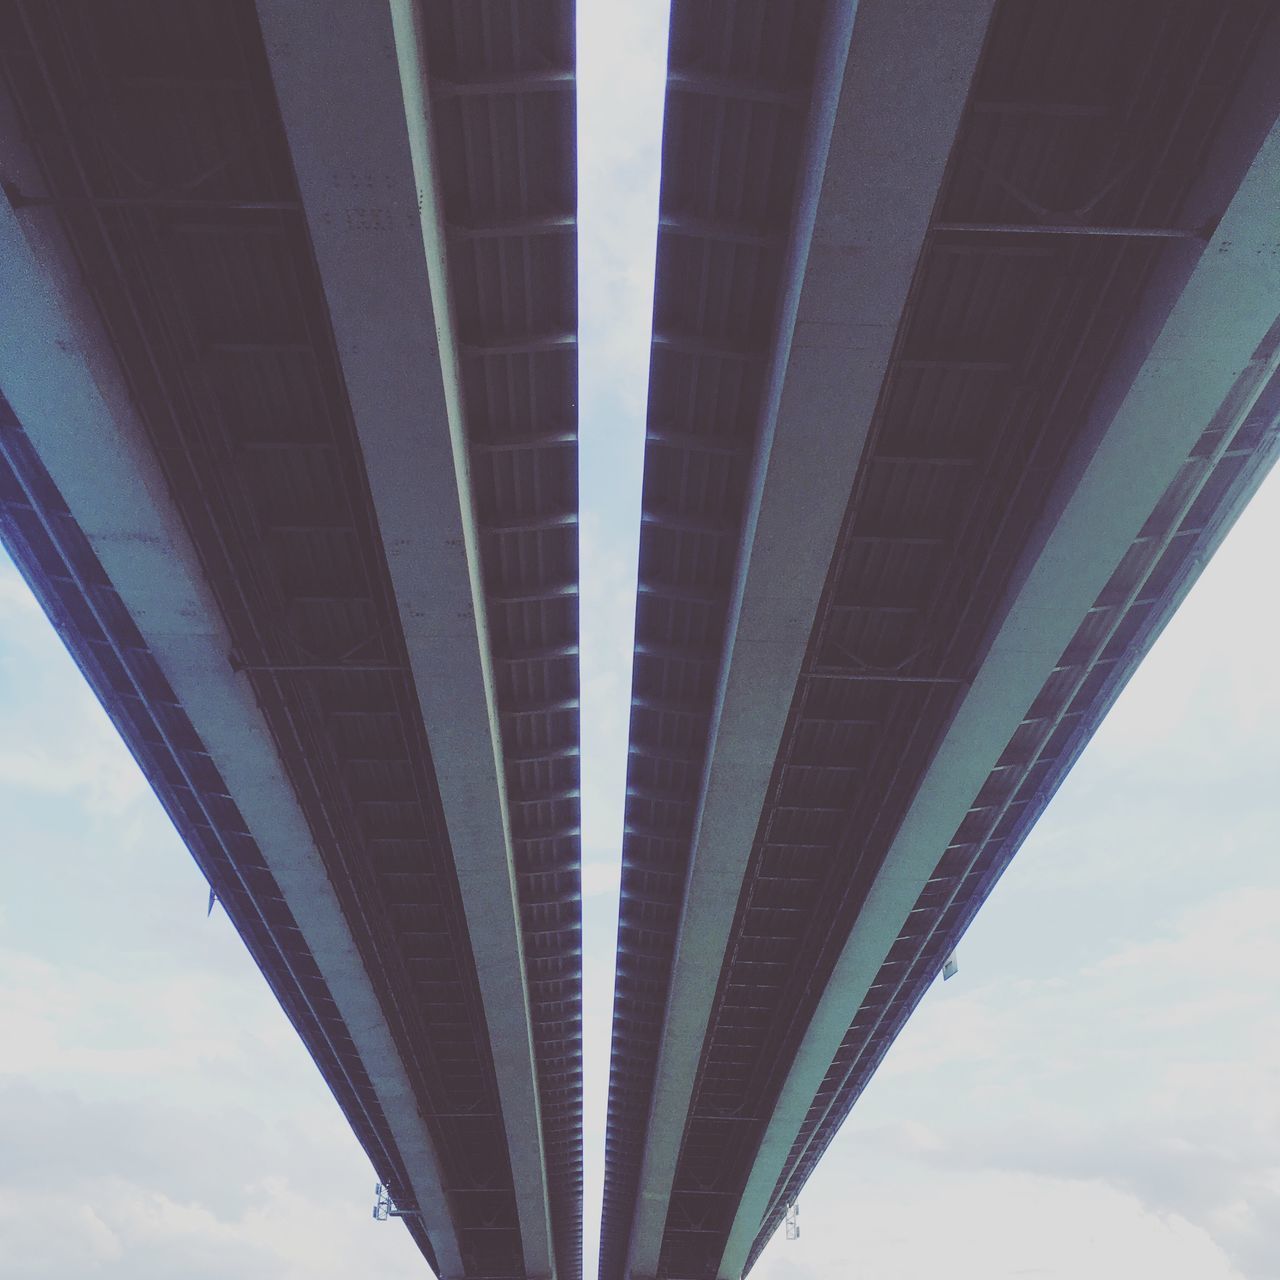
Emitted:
<point x="901" y="1223"/>
<point x="622" y="50"/>
<point x="119" y="1230"/>
<point x="608" y="625"/>
<point x="622" y="57"/>
<point x="55" y="739"/>
<point x="601" y="878"/>
<point x="166" y="1129"/>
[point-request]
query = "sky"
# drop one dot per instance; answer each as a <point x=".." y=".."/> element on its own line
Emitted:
<point x="1096" y="1094"/>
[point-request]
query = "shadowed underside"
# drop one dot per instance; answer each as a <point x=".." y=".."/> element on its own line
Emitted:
<point x="817" y="671"/>
<point x="964" y="358"/>
<point x="150" y="178"/>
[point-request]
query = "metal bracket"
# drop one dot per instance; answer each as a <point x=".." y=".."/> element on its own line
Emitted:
<point x="793" y="1221"/>
<point x="384" y="1207"/>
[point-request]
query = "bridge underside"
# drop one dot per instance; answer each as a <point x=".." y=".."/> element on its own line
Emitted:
<point x="185" y="483"/>
<point x="1074" y="401"/>
<point x="965" y="356"/>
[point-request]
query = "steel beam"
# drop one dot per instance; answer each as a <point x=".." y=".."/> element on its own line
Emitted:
<point x="1069" y="229"/>
<point x="892" y="84"/>
<point x="363" y="143"/>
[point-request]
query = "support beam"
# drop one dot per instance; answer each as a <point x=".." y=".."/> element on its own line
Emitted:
<point x="387" y="290"/>
<point x="1069" y="229"/>
<point x="882" y="129"/>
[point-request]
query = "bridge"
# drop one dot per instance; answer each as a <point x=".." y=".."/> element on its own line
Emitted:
<point x="289" y="457"/>
<point x="964" y="358"/>
<point x="964" y="353"/>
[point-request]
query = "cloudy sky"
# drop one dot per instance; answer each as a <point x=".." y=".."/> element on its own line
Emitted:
<point x="1097" y="1094"/>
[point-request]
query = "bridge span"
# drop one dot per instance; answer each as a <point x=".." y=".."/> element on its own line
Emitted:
<point x="964" y="356"/>
<point x="288" y="454"/>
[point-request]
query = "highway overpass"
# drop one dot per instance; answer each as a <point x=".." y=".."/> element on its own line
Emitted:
<point x="288" y="454"/>
<point x="964" y="358"/>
